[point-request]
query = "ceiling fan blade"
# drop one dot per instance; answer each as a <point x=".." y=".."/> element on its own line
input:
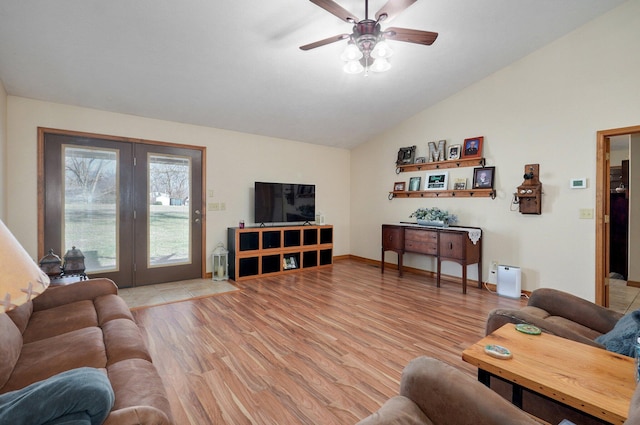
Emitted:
<point x="325" y="41"/>
<point x="410" y="36"/>
<point x="392" y="8"/>
<point x="337" y="10"/>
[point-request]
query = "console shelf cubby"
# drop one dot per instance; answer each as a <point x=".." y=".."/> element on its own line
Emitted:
<point x="267" y="251"/>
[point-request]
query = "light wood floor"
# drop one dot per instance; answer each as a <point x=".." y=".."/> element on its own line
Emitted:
<point x="318" y="347"/>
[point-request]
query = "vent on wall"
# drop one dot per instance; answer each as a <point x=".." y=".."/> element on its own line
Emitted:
<point x="509" y="281"/>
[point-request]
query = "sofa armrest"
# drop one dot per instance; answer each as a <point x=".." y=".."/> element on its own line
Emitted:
<point x="576" y="309"/>
<point x="436" y="387"/>
<point x="85" y="290"/>
<point x="137" y="415"/>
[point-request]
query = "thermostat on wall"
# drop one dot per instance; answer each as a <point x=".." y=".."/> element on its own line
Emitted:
<point x="578" y="183"/>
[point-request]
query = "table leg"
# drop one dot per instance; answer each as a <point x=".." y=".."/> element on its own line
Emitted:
<point x="484" y="377"/>
<point x="516" y="396"/>
<point x="464" y="278"/>
<point x="382" y="262"/>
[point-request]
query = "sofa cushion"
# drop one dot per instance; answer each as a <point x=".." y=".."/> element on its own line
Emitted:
<point x="60" y="320"/>
<point x="558" y="324"/>
<point x="622" y="338"/>
<point x="47" y="357"/>
<point x="10" y="346"/>
<point x="21" y="315"/>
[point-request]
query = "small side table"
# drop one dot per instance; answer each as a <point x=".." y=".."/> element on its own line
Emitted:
<point x="63" y="279"/>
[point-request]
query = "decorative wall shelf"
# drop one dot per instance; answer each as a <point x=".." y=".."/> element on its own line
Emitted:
<point x="439" y="165"/>
<point x="467" y="193"/>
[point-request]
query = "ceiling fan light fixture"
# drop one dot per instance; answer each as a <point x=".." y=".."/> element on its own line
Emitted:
<point x="382" y="50"/>
<point x="351" y="53"/>
<point x="353" y="67"/>
<point x="380" y="65"/>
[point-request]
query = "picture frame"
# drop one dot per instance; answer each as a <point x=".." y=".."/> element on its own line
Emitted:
<point x="453" y="152"/>
<point x="289" y="263"/>
<point x="421" y="160"/>
<point x="406" y="155"/>
<point x="436" y="180"/>
<point x="472" y="148"/>
<point x="414" y="183"/>
<point x="483" y="177"/>
<point x="399" y="187"/>
<point x="460" y="184"/>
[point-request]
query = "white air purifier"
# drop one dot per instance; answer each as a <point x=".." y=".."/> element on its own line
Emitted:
<point x="509" y="281"/>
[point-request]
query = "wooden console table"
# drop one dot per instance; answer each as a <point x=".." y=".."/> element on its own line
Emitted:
<point x="589" y="379"/>
<point x="446" y="244"/>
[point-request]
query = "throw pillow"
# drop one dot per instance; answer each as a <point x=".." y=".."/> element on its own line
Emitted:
<point x="622" y="338"/>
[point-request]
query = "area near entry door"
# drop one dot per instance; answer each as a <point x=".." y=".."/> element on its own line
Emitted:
<point x="134" y="209"/>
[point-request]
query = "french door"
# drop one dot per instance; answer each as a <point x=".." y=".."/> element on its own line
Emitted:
<point x="134" y="209"/>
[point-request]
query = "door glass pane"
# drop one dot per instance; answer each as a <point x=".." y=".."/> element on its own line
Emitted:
<point x="169" y="214"/>
<point x="91" y="205"/>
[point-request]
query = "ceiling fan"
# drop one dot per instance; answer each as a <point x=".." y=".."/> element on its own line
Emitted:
<point x="366" y="47"/>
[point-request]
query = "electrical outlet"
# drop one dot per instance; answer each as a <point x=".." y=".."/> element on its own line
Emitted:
<point x="493" y="272"/>
<point x="210" y="193"/>
<point x="223" y="206"/>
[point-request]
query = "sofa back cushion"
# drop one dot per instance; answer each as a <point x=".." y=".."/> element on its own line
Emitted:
<point x="21" y="315"/>
<point x="10" y="347"/>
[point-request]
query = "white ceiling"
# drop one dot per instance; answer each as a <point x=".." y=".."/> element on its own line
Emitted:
<point x="236" y="64"/>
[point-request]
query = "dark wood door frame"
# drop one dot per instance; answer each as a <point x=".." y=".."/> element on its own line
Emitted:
<point x="603" y="210"/>
<point x="41" y="183"/>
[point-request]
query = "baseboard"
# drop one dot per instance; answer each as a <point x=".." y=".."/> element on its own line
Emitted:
<point x="491" y="287"/>
<point x="633" y="283"/>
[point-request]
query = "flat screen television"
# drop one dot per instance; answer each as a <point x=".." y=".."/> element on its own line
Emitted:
<point x="284" y="202"/>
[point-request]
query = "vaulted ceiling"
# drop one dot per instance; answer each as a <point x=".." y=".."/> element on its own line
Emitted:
<point x="236" y="64"/>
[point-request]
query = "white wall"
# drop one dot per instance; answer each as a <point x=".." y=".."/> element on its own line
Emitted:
<point x="546" y="109"/>
<point x="3" y="148"/>
<point x="234" y="162"/>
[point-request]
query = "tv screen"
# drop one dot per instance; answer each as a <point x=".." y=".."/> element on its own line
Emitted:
<point x="284" y="203"/>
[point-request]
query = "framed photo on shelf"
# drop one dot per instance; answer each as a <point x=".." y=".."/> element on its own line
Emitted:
<point x="483" y="177"/>
<point x="437" y="180"/>
<point x="289" y="263"/>
<point x="453" y="151"/>
<point x="399" y="187"/>
<point x="406" y="155"/>
<point x="460" y="184"/>
<point x="421" y="160"/>
<point x="472" y="148"/>
<point x="414" y="183"/>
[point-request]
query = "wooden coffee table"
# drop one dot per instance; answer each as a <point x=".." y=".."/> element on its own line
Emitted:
<point x="589" y="379"/>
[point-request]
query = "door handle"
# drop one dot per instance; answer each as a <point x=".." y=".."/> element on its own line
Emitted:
<point x="197" y="220"/>
<point x="197" y="212"/>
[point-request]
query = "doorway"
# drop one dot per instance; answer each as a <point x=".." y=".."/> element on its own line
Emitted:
<point x="133" y="207"/>
<point x="604" y="209"/>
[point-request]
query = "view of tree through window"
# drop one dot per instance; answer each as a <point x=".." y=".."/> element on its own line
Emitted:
<point x="91" y="205"/>
<point x="169" y="219"/>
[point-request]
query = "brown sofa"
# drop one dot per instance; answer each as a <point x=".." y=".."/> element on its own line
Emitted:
<point x="83" y="324"/>
<point x="562" y="314"/>
<point x="559" y="313"/>
<point x="434" y="393"/>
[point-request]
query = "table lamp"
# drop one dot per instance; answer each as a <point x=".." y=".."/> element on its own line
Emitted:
<point x="21" y="279"/>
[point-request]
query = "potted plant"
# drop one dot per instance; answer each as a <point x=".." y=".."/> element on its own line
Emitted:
<point x="433" y="217"/>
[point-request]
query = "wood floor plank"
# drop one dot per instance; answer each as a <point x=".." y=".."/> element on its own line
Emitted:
<point x="318" y="347"/>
